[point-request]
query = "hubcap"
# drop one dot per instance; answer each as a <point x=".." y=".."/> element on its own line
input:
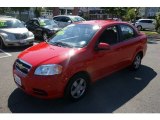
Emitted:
<point x="137" y="61"/>
<point x="78" y="88"/>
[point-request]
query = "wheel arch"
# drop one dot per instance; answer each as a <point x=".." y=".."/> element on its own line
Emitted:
<point x="85" y="73"/>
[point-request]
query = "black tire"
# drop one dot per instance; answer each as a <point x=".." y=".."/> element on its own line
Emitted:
<point x="139" y="27"/>
<point x="77" y="87"/>
<point x="2" y="45"/>
<point x="137" y="62"/>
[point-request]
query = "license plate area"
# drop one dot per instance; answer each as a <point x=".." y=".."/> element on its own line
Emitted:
<point x="17" y="80"/>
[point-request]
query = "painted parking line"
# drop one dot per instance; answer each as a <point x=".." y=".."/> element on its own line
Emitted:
<point x="5" y="54"/>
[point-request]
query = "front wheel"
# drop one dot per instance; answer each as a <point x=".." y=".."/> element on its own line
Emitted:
<point x="137" y="62"/>
<point x="77" y="87"/>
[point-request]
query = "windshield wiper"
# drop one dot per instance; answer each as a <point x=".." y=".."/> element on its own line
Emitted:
<point x="61" y="44"/>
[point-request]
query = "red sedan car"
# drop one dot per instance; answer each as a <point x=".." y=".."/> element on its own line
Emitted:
<point x="76" y="56"/>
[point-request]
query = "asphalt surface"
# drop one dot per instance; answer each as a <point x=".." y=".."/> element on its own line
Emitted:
<point x="122" y="92"/>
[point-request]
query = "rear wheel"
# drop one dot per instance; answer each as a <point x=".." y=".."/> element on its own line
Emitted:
<point x="77" y="87"/>
<point x="137" y="62"/>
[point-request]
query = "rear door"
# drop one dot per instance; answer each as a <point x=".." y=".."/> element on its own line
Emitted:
<point x="128" y="44"/>
<point x="151" y="24"/>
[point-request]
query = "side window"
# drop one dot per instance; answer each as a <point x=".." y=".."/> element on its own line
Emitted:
<point x="56" y="18"/>
<point x="110" y="36"/>
<point x="127" y="32"/>
<point x="150" y="21"/>
<point x="65" y="19"/>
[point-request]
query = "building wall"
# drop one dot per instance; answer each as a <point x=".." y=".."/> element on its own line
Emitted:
<point x="148" y="11"/>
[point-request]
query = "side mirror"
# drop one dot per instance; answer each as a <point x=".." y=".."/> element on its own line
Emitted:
<point x="103" y="46"/>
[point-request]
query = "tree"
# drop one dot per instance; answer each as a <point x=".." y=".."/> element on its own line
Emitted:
<point x="158" y="22"/>
<point x="110" y="10"/>
<point x="119" y="12"/>
<point x="20" y="9"/>
<point x="3" y="10"/>
<point x="131" y="14"/>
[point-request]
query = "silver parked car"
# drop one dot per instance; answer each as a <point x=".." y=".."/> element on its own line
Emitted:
<point x="143" y="24"/>
<point x="14" y="33"/>
<point x="64" y="20"/>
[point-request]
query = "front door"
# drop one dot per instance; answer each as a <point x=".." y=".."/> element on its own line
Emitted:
<point x="105" y="62"/>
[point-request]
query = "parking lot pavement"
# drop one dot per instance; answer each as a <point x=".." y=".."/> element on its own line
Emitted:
<point x="124" y="91"/>
<point x="4" y="54"/>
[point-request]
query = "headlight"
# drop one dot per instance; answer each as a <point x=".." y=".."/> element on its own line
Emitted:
<point x="8" y="36"/>
<point x="30" y="34"/>
<point x="50" y="69"/>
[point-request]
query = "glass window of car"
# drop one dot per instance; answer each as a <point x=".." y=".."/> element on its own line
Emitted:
<point x="11" y="24"/>
<point x="145" y="21"/>
<point x="127" y="32"/>
<point x="74" y="35"/>
<point x="110" y="36"/>
<point x="57" y="18"/>
<point x="149" y="21"/>
<point x="65" y="19"/>
<point x="46" y="22"/>
<point x="77" y="19"/>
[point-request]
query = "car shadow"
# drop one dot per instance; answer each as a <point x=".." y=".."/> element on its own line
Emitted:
<point x="105" y="96"/>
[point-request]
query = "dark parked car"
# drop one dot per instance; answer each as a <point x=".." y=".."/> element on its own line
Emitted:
<point x="64" y="20"/>
<point x="42" y="27"/>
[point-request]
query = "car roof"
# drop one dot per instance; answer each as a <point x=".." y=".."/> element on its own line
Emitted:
<point x="101" y="22"/>
<point x="67" y="16"/>
<point x="7" y="18"/>
<point x="145" y="19"/>
<point x="40" y="19"/>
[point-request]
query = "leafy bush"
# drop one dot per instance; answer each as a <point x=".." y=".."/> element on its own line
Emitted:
<point x="158" y="22"/>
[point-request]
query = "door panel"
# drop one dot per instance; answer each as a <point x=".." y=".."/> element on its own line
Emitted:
<point x="104" y="62"/>
<point x="128" y="45"/>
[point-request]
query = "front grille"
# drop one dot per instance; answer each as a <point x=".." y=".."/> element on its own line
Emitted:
<point x="20" y="36"/>
<point x="22" y="66"/>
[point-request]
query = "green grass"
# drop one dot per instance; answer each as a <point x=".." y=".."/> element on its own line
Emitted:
<point x="150" y="33"/>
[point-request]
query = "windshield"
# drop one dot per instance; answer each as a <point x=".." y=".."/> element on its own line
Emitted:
<point x="11" y="24"/>
<point x="47" y="22"/>
<point x="77" y="19"/>
<point x="75" y="35"/>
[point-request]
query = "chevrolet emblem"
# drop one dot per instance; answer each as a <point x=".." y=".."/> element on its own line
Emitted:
<point x="20" y="65"/>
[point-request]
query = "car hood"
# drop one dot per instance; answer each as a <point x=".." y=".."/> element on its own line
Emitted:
<point x="44" y="52"/>
<point x="14" y="30"/>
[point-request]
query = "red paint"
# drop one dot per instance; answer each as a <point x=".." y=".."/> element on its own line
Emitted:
<point x="96" y="63"/>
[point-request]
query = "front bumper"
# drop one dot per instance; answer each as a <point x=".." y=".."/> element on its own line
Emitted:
<point x="45" y="87"/>
<point x="23" y="42"/>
